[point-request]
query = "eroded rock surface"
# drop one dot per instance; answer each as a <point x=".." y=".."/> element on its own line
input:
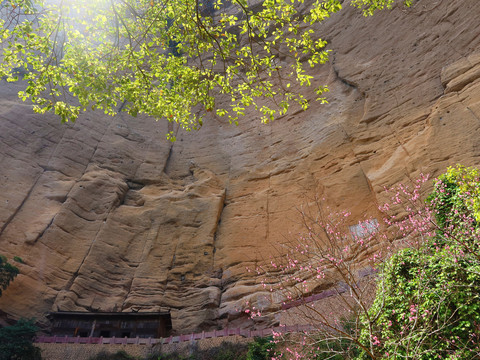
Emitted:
<point x="109" y="216"/>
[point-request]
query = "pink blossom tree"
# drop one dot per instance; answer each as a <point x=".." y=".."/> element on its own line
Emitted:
<point x="405" y="286"/>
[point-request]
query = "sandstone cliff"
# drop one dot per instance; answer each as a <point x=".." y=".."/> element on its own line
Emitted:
<point x="108" y="215"/>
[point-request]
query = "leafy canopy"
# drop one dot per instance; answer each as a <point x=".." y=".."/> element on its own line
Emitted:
<point x="370" y="6"/>
<point x="167" y="59"/>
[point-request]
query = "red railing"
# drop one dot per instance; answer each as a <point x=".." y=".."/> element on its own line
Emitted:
<point x="171" y="339"/>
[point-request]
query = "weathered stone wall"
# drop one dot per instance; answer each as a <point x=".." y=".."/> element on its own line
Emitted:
<point x="86" y="351"/>
<point x="110" y="216"/>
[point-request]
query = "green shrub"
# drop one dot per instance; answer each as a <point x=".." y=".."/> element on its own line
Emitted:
<point x="427" y="304"/>
<point x="261" y="348"/>
<point x="16" y="341"/>
<point x="456" y="194"/>
<point x="8" y="272"/>
<point x="119" y="355"/>
<point x="18" y="259"/>
<point x="169" y="356"/>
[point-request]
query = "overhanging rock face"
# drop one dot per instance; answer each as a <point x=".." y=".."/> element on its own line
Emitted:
<point x="109" y="216"/>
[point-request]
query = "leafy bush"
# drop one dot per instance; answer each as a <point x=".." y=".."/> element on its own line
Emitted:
<point x="169" y="356"/>
<point x="261" y="348"/>
<point x="119" y="355"/>
<point x="8" y="272"/>
<point x="427" y="303"/>
<point x="16" y="341"/>
<point x="456" y="197"/>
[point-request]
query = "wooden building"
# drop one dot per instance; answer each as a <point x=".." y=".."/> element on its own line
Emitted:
<point x="111" y="324"/>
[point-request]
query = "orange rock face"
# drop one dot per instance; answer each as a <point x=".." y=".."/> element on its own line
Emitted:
<point x="110" y="216"/>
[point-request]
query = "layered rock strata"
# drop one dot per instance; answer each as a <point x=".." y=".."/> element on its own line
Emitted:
<point x="109" y="216"/>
